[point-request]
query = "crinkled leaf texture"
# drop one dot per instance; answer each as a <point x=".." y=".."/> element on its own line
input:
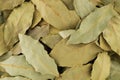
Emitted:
<point x="37" y="56"/>
<point x="19" y="21"/>
<point x="92" y="25"/>
<point x="17" y="65"/>
<point x="101" y="67"/>
<point x="56" y="13"/>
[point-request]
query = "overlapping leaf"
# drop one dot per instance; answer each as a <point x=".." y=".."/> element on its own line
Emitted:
<point x="101" y="67"/>
<point x="3" y="47"/>
<point x="83" y="7"/>
<point x="18" y="22"/>
<point x="92" y="25"/>
<point x="9" y="4"/>
<point x="72" y="55"/>
<point x="14" y="78"/>
<point x="77" y="73"/>
<point x="112" y="34"/>
<point x="37" y="56"/>
<point x="55" y="13"/>
<point x="103" y="44"/>
<point x="17" y="65"/>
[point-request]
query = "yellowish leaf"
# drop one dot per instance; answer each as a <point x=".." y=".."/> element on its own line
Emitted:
<point x="41" y="61"/>
<point x="72" y="55"/>
<point x="9" y="4"/>
<point x="93" y="25"/>
<point x="101" y="67"/>
<point x="3" y="47"/>
<point x="18" y="22"/>
<point x="55" y="13"/>
<point x="112" y="34"/>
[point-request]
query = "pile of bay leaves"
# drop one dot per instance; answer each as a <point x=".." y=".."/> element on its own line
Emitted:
<point x="59" y="39"/>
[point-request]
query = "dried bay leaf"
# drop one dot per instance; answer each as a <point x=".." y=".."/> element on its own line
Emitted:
<point x="14" y="78"/>
<point x="77" y="73"/>
<point x="112" y="34"/>
<point x="9" y="4"/>
<point x="17" y="65"/>
<point x="115" y="68"/>
<point x="101" y="67"/>
<point x="83" y="7"/>
<point x="3" y="47"/>
<point x="93" y="25"/>
<point x="51" y="40"/>
<point x="117" y="6"/>
<point x="16" y="49"/>
<point x="18" y="22"/>
<point x="69" y="4"/>
<point x="71" y="55"/>
<point x="39" y="32"/>
<point x="36" y="18"/>
<point x="55" y="13"/>
<point x="103" y="44"/>
<point x="41" y="61"/>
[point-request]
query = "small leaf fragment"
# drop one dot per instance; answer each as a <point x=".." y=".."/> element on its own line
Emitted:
<point x="93" y="25"/>
<point x="36" y="18"/>
<point x="103" y="44"/>
<point x="42" y="62"/>
<point x="39" y="32"/>
<point x="101" y="67"/>
<point x="66" y="33"/>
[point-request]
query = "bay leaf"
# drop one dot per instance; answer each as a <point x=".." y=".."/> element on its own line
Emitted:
<point x="112" y="34"/>
<point x="56" y="13"/>
<point x="69" y="4"/>
<point x="103" y="44"/>
<point x="93" y="25"/>
<point x="66" y="33"/>
<point x="39" y="32"/>
<point x="6" y="14"/>
<point x="36" y="18"/>
<point x="77" y="73"/>
<point x="83" y="7"/>
<point x="3" y="47"/>
<point x="115" y="68"/>
<point x="17" y="65"/>
<point x="117" y="6"/>
<point x="41" y="61"/>
<point x="16" y="49"/>
<point x="14" y="78"/>
<point x="18" y="22"/>
<point x="51" y="40"/>
<point x="71" y="55"/>
<point x="9" y="4"/>
<point x="101" y="67"/>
